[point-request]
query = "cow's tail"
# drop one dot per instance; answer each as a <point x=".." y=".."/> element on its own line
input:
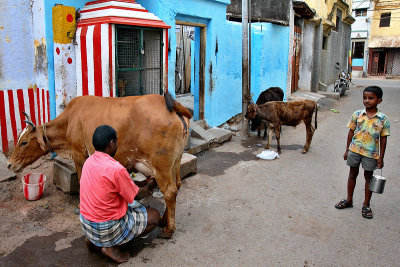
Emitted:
<point x="172" y="104"/>
<point x="316" y="112"/>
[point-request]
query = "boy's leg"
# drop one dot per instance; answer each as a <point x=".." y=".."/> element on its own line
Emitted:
<point x="368" y="193"/>
<point x="351" y="183"/>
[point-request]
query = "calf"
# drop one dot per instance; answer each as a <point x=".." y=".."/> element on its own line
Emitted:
<point x="277" y="113"/>
<point x="271" y="94"/>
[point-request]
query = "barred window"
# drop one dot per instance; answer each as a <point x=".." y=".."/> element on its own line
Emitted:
<point x="385" y="20"/>
<point x="361" y="12"/>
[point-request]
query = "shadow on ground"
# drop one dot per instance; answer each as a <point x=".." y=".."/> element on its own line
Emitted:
<point x="41" y="251"/>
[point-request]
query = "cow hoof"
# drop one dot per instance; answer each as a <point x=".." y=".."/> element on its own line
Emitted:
<point x="166" y="234"/>
<point x="304" y="151"/>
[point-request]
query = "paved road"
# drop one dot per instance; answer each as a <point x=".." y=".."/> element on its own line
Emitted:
<point x="241" y="211"/>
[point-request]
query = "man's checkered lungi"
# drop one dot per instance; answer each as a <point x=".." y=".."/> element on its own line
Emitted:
<point x="117" y="232"/>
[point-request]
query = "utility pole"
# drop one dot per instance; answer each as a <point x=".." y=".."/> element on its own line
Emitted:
<point x="245" y="66"/>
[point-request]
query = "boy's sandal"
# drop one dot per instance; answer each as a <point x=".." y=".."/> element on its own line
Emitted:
<point x="343" y="204"/>
<point x="366" y="212"/>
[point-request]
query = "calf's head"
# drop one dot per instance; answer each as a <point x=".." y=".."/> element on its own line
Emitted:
<point x="252" y="111"/>
<point x="29" y="147"/>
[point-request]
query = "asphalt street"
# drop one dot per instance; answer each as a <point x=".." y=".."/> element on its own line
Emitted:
<point x="239" y="210"/>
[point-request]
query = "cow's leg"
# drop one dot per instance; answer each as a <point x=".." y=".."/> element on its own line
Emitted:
<point x="309" y="135"/>
<point x="79" y="159"/>
<point x="169" y="189"/>
<point x="269" y="137"/>
<point x="278" y="137"/>
<point x="265" y="131"/>
<point x="177" y="172"/>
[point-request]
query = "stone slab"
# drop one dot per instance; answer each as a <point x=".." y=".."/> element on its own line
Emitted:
<point x="332" y="95"/>
<point x="65" y="176"/>
<point x="5" y="174"/>
<point x="220" y="135"/>
<point x="197" y="145"/>
<point x="188" y="165"/>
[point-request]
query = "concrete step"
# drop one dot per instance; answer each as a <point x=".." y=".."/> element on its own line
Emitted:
<point x="306" y="95"/>
<point x="331" y="95"/>
<point x="202" y="137"/>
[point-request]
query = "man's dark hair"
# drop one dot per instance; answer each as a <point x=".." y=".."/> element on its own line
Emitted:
<point x="102" y="136"/>
<point x="374" y="89"/>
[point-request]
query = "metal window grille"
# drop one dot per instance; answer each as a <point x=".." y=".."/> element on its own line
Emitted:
<point x="393" y="62"/>
<point x="138" y="61"/>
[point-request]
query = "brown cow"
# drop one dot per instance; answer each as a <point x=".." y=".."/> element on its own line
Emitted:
<point x="277" y="113"/>
<point x="151" y="139"/>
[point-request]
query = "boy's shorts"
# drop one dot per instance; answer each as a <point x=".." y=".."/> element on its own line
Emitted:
<point x="354" y="160"/>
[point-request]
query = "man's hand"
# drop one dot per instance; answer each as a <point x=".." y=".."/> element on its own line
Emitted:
<point x="146" y="190"/>
<point x="345" y="155"/>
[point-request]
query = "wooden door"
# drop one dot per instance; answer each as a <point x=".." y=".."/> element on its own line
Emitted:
<point x="296" y="58"/>
<point x="374" y="63"/>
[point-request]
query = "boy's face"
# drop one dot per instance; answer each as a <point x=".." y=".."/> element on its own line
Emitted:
<point x="370" y="100"/>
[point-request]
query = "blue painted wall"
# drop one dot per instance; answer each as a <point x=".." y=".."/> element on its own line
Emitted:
<point x="357" y="62"/>
<point x="16" y="45"/>
<point x="223" y="92"/>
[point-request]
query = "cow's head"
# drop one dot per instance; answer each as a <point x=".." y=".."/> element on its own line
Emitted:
<point x="252" y="111"/>
<point x="29" y="147"/>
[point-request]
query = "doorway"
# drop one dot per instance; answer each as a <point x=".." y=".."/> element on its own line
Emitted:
<point x="190" y="65"/>
<point x="296" y="58"/>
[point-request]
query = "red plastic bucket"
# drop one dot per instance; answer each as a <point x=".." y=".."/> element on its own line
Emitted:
<point x="33" y="185"/>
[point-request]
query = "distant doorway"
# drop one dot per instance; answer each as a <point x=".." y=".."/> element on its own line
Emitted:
<point x="296" y="58"/>
<point x="190" y="64"/>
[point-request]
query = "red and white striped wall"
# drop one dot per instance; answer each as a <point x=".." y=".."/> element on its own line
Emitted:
<point x="33" y="101"/>
<point x="95" y="53"/>
<point x="94" y="56"/>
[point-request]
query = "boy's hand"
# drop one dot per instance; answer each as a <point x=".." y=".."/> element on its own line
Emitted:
<point x="345" y="155"/>
<point x="379" y="163"/>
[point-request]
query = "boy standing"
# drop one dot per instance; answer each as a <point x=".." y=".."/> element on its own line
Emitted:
<point x="366" y="144"/>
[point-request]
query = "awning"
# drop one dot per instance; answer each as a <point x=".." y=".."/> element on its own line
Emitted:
<point x="303" y="9"/>
<point x="118" y="12"/>
<point x="384" y="41"/>
<point x="362" y="5"/>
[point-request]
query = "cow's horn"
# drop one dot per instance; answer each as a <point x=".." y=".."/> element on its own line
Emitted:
<point x="31" y="124"/>
<point x="27" y="116"/>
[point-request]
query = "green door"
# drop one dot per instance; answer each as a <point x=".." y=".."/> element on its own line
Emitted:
<point x="138" y="60"/>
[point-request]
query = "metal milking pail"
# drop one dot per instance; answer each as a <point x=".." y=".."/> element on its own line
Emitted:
<point x="377" y="184"/>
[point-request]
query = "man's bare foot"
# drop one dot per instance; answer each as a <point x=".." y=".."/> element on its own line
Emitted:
<point x="92" y="247"/>
<point x="116" y="254"/>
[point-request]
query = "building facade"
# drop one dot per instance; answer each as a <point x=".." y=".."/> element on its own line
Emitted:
<point x="324" y="38"/>
<point x="49" y="56"/>
<point x="384" y="40"/>
<point x="360" y="33"/>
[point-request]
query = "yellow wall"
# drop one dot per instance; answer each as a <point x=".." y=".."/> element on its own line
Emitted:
<point x="394" y="29"/>
<point x="323" y="8"/>
<point x="63" y="24"/>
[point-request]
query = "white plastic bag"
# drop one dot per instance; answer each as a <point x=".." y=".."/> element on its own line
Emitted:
<point x="268" y="155"/>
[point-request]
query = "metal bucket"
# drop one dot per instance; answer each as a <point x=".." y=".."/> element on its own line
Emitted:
<point x="377" y="184"/>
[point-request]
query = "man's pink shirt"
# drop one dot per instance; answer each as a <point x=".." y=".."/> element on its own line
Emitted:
<point x="105" y="189"/>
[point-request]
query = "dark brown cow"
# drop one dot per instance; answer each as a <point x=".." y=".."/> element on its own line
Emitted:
<point x="277" y="113"/>
<point x="151" y="139"/>
<point x="271" y="94"/>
